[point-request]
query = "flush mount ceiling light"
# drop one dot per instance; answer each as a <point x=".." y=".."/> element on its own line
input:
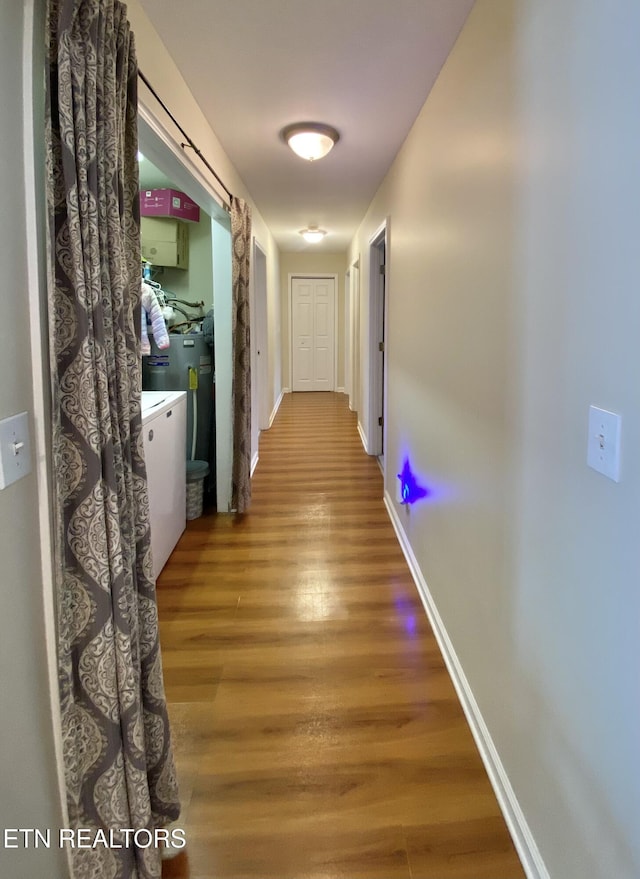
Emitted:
<point x="310" y="140"/>
<point x="312" y="234"/>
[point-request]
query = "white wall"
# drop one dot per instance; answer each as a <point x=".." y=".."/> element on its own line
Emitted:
<point x="514" y="272"/>
<point x="27" y="754"/>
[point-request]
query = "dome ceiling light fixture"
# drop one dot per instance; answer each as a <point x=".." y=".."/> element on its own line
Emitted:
<point x="310" y="140"/>
<point x="312" y="234"/>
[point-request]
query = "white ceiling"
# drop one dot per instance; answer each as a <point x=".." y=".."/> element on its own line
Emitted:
<point x="363" y="66"/>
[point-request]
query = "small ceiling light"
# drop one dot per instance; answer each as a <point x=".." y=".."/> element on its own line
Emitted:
<point x="313" y="235"/>
<point x="310" y="140"/>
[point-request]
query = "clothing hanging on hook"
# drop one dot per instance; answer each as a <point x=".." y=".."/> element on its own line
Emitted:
<point x="152" y="310"/>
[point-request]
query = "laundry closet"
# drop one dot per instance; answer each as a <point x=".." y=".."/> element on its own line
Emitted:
<point x="187" y="430"/>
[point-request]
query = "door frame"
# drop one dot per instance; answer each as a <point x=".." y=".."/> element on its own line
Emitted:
<point x="260" y="336"/>
<point x="378" y="330"/>
<point x="311" y="275"/>
<point x="347" y="333"/>
<point x="354" y="325"/>
<point x="158" y="145"/>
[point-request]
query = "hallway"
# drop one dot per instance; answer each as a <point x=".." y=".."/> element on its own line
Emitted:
<point x="316" y="731"/>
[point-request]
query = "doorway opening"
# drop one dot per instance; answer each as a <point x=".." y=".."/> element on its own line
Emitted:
<point x="354" y="336"/>
<point x="157" y="148"/>
<point x="378" y="275"/>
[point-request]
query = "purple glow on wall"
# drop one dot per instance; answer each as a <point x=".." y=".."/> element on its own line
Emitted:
<point x="410" y="490"/>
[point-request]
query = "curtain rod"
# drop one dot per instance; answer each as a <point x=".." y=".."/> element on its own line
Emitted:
<point x="189" y="142"/>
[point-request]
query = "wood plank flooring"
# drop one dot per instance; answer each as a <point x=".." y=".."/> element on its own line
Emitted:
<point x="316" y="731"/>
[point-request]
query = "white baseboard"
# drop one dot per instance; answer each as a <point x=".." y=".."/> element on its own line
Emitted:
<point x="286" y="390"/>
<point x="363" y="438"/>
<point x="340" y="391"/>
<point x="522" y="837"/>
<point x="254" y="463"/>
<point x="276" y="407"/>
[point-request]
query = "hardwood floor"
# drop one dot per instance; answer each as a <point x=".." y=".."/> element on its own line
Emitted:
<point x="316" y="731"/>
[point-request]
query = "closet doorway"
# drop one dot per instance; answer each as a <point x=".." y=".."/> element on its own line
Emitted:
<point x="161" y="151"/>
<point x="313" y="333"/>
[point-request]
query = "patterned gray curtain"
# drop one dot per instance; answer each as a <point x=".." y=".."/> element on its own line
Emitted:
<point x="241" y="392"/>
<point x="117" y="750"/>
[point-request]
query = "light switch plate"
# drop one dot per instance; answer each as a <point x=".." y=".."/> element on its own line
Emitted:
<point x="603" y="447"/>
<point x="15" y="449"/>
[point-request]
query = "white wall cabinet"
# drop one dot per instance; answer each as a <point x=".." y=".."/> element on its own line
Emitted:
<point x="164" y="424"/>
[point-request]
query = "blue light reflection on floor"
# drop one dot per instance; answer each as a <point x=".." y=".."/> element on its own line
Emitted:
<point x="406" y="612"/>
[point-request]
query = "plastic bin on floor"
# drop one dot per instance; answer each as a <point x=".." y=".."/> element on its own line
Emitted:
<point x="196" y="472"/>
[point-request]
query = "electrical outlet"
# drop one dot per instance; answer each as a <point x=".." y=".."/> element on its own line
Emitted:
<point x="15" y="449"/>
<point x="603" y="447"/>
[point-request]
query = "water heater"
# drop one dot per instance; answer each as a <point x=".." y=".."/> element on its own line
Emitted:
<point x="187" y="365"/>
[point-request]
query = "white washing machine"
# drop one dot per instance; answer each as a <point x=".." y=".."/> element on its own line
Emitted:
<point x="164" y="427"/>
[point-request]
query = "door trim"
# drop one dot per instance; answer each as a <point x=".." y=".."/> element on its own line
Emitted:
<point x="308" y="275"/>
<point x="35" y="273"/>
<point x="378" y="322"/>
<point x="347" y="333"/>
<point x="356" y="344"/>
<point x="260" y="336"/>
<point x="163" y="150"/>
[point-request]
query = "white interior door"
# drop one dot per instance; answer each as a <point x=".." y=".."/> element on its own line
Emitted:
<point x="313" y="333"/>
